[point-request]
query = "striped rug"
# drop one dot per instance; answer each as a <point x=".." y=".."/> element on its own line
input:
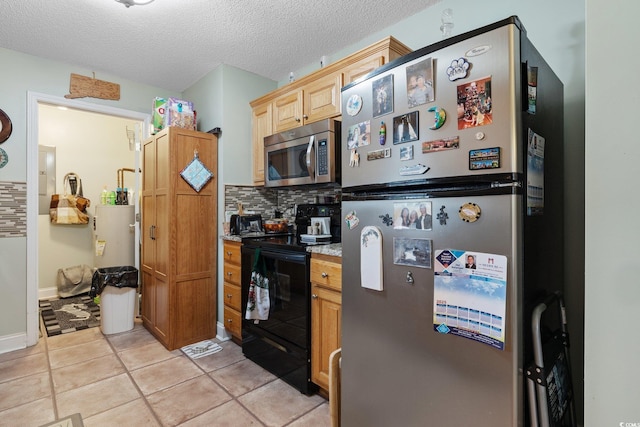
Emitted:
<point x="66" y="315"/>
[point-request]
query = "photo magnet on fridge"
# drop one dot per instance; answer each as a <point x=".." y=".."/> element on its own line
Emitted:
<point x="474" y="104"/>
<point x="382" y="96"/>
<point x="420" y="83"/>
<point x="405" y="128"/>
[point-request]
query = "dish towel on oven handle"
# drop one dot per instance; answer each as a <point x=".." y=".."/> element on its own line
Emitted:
<point x="258" y="304"/>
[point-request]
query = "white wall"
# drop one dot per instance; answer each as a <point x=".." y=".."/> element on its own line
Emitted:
<point x="94" y="146"/>
<point x="612" y="162"/>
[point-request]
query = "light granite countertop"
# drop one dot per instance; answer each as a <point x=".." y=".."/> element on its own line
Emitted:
<point x="333" y="249"/>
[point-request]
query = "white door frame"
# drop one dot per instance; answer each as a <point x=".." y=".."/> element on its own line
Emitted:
<point x="33" y="99"/>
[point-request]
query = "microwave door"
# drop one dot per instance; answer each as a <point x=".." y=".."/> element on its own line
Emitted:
<point x="311" y="161"/>
<point x="286" y="163"/>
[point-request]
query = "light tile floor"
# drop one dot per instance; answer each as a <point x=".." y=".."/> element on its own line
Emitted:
<point x="130" y="379"/>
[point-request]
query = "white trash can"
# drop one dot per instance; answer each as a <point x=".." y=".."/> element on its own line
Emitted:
<point x="117" y="309"/>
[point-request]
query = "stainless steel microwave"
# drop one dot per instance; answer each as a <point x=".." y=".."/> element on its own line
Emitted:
<point x="305" y="155"/>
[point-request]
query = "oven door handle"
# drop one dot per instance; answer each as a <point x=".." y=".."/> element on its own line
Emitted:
<point x="311" y="167"/>
<point x="291" y="256"/>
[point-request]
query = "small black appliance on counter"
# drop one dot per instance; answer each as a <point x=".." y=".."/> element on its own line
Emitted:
<point x="242" y="224"/>
<point x="305" y="213"/>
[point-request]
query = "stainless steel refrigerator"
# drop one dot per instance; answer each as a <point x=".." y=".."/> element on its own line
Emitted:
<point x="453" y="206"/>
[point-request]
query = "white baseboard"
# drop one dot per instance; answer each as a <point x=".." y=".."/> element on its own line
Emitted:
<point x="13" y="342"/>
<point x="48" y="293"/>
<point x="221" y="333"/>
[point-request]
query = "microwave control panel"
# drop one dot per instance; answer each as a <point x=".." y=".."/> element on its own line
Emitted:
<point x="323" y="157"/>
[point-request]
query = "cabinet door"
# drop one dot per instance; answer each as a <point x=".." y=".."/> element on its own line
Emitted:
<point x="322" y="98"/>
<point x="232" y="252"/>
<point x="326" y="330"/>
<point x="262" y="122"/>
<point x="362" y="68"/>
<point x="287" y="111"/>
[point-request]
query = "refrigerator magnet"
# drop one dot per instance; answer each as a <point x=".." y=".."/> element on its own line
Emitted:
<point x="406" y="153"/>
<point x="359" y="135"/>
<point x="371" y="271"/>
<point x="412" y="252"/>
<point x="383" y="133"/>
<point x="405" y="128"/>
<point x="351" y="220"/>
<point x="458" y="69"/>
<point x="354" y="104"/>
<point x="442" y="216"/>
<point x="354" y="159"/>
<point x="484" y="158"/>
<point x="382" y="96"/>
<point x="440" y="117"/>
<point x="474" y="103"/>
<point x="450" y="143"/>
<point x="469" y="212"/>
<point x="420" y="83"/>
<point x="379" y="154"/>
<point x="386" y="219"/>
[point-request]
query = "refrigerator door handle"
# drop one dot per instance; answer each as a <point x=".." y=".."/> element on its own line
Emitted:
<point x="310" y="164"/>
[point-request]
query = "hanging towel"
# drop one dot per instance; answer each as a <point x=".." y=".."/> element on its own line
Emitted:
<point x="258" y="304"/>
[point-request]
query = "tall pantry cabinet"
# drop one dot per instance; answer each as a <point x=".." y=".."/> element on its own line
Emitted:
<point x="178" y="265"/>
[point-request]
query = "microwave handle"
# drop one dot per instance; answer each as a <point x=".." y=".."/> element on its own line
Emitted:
<point x="311" y="167"/>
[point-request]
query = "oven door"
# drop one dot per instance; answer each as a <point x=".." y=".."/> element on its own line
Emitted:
<point x="282" y="343"/>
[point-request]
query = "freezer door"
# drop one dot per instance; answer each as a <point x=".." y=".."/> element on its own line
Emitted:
<point x="396" y="368"/>
<point x="467" y="125"/>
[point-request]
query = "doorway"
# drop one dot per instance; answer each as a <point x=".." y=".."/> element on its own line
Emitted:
<point x="34" y="104"/>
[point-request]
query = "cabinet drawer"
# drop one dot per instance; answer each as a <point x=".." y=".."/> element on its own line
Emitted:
<point x="326" y="273"/>
<point x="232" y="252"/>
<point x="232" y="273"/>
<point x="232" y="296"/>
<point x="233" y="321"/>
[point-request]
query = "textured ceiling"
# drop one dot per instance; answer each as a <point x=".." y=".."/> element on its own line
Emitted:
<point x="173" y="43"/>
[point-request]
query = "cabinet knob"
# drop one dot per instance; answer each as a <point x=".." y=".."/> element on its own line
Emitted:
<point x="229" y="253"/>
<point x="314" y="296"/>
<point x="229" y="296"/>
<point x="305" y="117"/>
<point x="298" y="119"/>
<point x="229" y="273"/>
<point x="229" y="321"/>
<point x="324" y="275"/>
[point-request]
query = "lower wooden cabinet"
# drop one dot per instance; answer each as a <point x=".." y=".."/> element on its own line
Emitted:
<point x="326" y="314"/>
<point x="232" y="289"/>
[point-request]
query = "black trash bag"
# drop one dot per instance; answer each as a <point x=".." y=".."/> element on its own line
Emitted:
<point x="119" y="277"/>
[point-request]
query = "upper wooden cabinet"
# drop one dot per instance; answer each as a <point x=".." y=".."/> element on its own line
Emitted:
<point x="314" y="97"/>
<point x="262" y="125"/>
<point x="320" y="99"/>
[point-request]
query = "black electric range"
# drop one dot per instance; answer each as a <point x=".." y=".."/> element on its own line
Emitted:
<point x="282" y="343"/>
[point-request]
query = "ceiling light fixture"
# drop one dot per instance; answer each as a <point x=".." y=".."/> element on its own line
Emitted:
<point x="129" y="3"/>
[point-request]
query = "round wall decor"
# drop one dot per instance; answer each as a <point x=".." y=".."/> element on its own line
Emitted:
<point x="5" y="127"/>
<point x="4" y="159"/>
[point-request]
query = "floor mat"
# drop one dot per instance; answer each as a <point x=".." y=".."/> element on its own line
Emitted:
<point x="65" y="315"/>
<point x="200" y="349"/>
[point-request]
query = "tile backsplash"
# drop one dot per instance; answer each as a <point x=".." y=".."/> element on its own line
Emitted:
<point x="265" y="201"/>
<point x="13" y="209"/>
